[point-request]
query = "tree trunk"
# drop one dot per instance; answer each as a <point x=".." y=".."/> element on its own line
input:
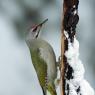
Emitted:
<point x="69" y="22"/>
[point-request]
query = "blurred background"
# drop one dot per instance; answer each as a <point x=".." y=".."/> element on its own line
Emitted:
<point x="17" y="74"/>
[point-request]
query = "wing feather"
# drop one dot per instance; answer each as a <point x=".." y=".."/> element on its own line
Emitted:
<point x="39" y="65"/>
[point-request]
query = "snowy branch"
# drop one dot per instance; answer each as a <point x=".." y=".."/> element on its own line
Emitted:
<point x="72" y="69"/>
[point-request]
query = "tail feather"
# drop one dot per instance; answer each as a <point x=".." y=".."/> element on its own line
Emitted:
<point x="44" y="91"/>
<point x="52" y="89"/>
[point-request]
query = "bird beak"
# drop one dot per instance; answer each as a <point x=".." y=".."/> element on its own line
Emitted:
<point x="42" y="22"/>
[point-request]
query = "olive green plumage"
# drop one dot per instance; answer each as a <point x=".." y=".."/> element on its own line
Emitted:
<point x="40" y="66"/>
<point x="44" y="61"/>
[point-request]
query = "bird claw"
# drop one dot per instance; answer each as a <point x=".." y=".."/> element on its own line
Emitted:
<point x="59" y="61"/>
<point x="57" y="82"/>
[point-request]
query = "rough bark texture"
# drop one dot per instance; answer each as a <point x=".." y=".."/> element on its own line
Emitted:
<point x="69" y="23"/>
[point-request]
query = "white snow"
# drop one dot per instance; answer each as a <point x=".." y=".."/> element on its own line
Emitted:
<point x="66" y="34"/>
<point x="74" y="6"/>
<point x="78" y="80"/>
<point x="75" y="12"/>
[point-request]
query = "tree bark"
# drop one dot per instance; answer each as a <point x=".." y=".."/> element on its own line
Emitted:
<point x="69" y="22"/>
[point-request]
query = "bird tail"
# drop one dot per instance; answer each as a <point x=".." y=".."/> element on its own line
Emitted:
<point x="44" y="91"/>
<point x="52" y="89"/>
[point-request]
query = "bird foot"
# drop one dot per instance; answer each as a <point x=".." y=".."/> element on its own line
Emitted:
<point x="57" y="82"/>
<point x="59" y="61"/>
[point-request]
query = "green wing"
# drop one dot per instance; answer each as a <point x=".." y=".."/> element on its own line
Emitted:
<point x="40" y="66"/>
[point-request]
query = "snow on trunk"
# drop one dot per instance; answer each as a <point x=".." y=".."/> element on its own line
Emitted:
<point x="75" y="84"/>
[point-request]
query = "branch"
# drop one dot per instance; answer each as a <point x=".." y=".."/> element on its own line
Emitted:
<point x="69" y="22"/>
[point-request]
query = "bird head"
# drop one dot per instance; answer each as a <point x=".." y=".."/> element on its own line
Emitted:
<point x="35" y="30"/>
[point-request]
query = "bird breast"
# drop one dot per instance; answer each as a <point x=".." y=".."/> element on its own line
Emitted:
<point x="48" y="56"/>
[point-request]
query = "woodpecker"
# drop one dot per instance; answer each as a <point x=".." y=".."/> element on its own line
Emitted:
<point x="43" y="59"/>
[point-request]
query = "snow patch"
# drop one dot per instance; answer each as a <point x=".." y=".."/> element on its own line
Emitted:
<point x="78" y="85"/>
<point x="75" y="12"/>
<point x="66" y="34"/>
